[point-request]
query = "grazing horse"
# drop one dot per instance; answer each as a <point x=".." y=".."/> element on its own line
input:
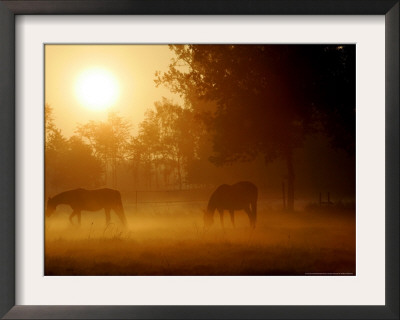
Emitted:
<point x="88" y="200"/>
<point x="239" y="196"/>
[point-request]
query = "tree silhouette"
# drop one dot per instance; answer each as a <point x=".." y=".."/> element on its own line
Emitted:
<point x="268" y="97"/>
<point x="55" y="150"/>
<point x="70" y="163"/>
<point x="109" y="141"/>
<point x="145" y="148"/>
<point x="82" y="168"/>
<point x="167" y="143"/>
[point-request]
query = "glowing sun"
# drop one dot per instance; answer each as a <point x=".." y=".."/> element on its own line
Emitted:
<point x="97" y="89"/>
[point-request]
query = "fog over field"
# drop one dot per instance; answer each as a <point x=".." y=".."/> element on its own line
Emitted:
<point x="145" y="146"/>
<point x="172" y="240"/>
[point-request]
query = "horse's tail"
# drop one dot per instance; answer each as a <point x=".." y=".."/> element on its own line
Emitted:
<point x="254" y="206"/>
<point x="120" y="209"/>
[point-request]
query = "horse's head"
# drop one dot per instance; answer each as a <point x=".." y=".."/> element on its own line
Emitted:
<point x="50" y="207"/>
<point x="208" y="218"/>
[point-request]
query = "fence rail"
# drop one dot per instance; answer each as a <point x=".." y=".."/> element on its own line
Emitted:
<point x="161" y="198"/>
<point x="192" y="201"/>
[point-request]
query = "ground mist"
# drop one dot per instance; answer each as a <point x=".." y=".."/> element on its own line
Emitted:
<point x="173" y="241"/>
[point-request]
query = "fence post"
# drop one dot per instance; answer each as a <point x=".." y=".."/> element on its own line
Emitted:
<point x="136" y="200"/>
<point x="283" y="195"/>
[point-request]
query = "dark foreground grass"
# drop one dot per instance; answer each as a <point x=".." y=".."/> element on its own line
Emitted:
<point x="300" y="243"/>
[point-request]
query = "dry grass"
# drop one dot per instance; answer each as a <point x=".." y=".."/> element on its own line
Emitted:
<point x="174" y="242"/>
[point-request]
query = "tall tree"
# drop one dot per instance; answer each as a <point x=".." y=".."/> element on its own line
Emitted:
<point x="167" y="141"/>
<point x="55" y="150"/>
<point x="109" y="140"/>
<point x="82" y="168"/>
<point x="268" y="97"/>
<point x="70" y="163"/>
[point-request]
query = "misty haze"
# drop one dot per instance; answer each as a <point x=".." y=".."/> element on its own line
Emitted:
<point x="200" y="160"/>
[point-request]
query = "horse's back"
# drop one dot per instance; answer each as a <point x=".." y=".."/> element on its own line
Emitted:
<point x="106" y="196"/>
<point x="246" y="190"/>
<point x="96" y="199"/>
<point x="236" y="196"/>
<point x="106" y="192"/>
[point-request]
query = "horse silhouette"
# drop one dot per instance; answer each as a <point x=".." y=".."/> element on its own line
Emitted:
<point x="88" y="200"/>
<point x="239" y="196"/>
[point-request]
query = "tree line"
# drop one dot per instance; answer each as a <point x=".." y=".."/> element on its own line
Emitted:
<point x="268" y="98"/>
<point x="160" y="155"/>
<point x="241" y="102"/>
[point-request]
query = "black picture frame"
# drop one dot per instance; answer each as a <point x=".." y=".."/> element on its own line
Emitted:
<point x="8" y="11"/>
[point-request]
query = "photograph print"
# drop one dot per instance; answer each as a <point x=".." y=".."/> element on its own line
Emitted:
<point x="200" y="160"/>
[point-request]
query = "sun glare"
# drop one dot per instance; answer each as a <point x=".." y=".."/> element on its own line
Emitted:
<point x="97" y="89"/>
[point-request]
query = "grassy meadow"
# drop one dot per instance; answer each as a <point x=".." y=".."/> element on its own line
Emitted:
<point x="171" y="240"/>
<point x="174" y="127"/>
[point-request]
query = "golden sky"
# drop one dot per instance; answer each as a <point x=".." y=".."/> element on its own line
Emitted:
<point x="130" y="67"/>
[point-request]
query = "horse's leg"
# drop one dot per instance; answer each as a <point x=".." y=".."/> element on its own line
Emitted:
<point x="251" y="217"/>
<point x="221" y="217"/>
<point x="232" y="213"/>
<point x="120" y="213"/>
<point x="79" y="217"/>
<point x="107" y="210"/>
<point x="254" y="210"/>
<point x="71" y="215"/>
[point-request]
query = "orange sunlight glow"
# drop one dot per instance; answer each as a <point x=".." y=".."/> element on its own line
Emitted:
<point x="97" y="89"/>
